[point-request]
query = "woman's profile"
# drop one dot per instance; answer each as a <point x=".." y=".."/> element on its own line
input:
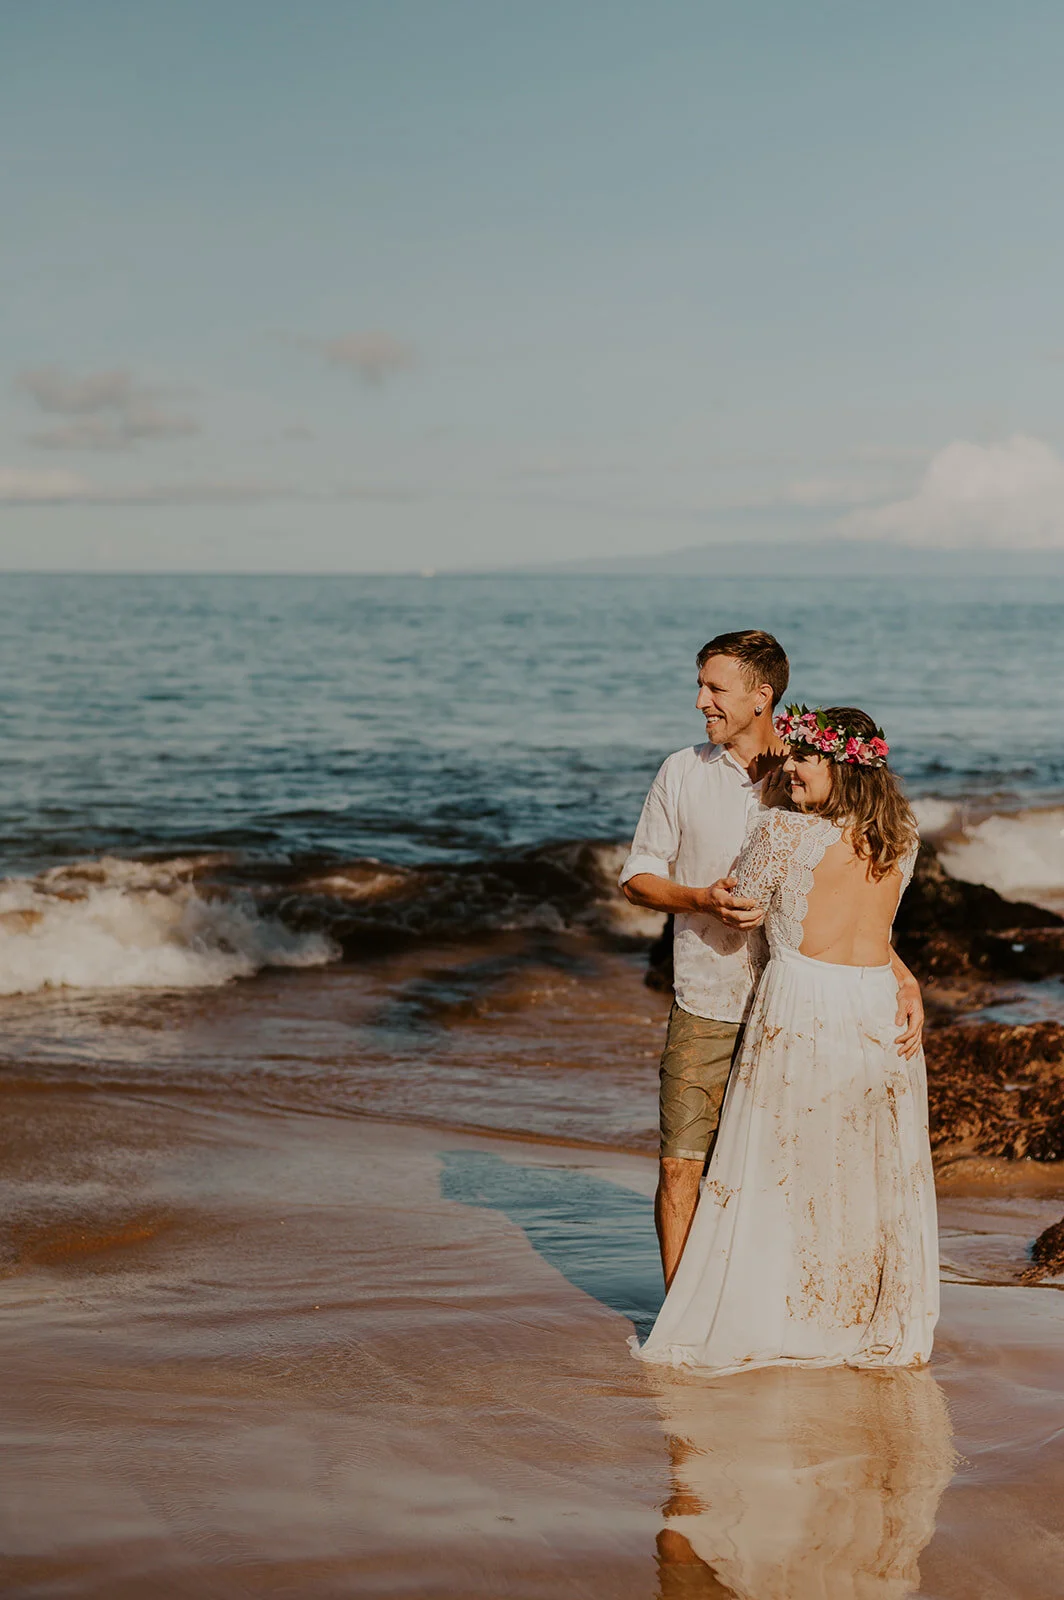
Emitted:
<point x="815" y="1239"/>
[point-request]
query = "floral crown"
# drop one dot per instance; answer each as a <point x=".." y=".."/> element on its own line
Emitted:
<point x="813" y="729"/>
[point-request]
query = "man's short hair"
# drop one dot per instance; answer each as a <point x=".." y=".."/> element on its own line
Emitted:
<point x="762" y="658"/>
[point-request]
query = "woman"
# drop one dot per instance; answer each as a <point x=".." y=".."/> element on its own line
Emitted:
<point x="815" y="1240"/>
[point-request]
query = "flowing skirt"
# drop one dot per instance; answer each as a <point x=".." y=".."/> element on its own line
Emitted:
<point x="815" y="1241"/>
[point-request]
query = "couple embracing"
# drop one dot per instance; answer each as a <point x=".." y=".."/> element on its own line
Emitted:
<point x="793" y="1063"/>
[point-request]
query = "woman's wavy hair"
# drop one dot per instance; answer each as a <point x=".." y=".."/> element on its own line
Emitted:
<point x="868" y="801"/>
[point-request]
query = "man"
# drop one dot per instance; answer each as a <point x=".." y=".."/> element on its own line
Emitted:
<point x="691" y="830"/>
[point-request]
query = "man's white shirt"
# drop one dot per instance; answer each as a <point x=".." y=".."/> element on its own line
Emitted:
<point x="692" y="828"/>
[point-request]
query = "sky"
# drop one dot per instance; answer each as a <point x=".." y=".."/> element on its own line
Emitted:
<point x="391" y="285"/>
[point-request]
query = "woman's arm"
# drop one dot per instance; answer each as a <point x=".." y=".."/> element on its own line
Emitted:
<point x="760" y="864"/>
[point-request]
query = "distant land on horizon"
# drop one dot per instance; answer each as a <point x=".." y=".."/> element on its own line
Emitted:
<point x="734" y="558"/>
<point x="841" y="557"/>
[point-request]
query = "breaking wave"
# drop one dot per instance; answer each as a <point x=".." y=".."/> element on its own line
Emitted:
<point x="204" y="920"/>
<point x="1021" y="854"/>
<point x="113" y="923"/>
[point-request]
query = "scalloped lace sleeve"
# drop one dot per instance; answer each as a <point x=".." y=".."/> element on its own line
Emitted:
<point x="907" y="866"/>
<point x="776" y="869"/>
<point x="760" y="863"/>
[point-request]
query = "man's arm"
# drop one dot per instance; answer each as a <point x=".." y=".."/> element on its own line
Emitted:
<point x="645" y="877"/>
<point x="910" y="1008"/>
<point x="661" y="894"/>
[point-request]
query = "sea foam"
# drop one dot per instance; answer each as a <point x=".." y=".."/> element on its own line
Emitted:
<point x="1020" y="855"/>
<point x="111" y="924"/>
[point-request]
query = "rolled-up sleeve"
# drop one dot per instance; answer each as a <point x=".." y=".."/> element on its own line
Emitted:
<point x="657" y="836"/>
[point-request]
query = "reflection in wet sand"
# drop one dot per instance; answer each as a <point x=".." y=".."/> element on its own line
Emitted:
<point x="794" y="1485"/>
<point x="788" y="1484"/>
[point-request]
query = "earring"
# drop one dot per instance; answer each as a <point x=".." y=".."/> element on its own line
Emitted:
<point x="758" y="710"/>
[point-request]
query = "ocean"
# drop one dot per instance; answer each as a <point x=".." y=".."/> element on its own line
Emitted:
<point x="419" y="719"/>
<point x="384" y="815"/>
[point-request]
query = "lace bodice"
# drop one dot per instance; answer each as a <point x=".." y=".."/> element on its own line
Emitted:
<point x="776" y="869"/>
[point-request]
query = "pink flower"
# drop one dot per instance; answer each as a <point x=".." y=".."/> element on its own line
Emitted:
<point x="827" y="740"/>
<point x="880" y="748"/>
<point x="853" y="750"/>
<point x="809" y="721"/>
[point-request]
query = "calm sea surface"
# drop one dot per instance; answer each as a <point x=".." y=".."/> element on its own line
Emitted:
<point x="419" y="719"/>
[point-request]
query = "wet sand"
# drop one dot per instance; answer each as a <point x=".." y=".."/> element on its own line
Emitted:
<point x="256" y="1352"/>
<point x="273" y="1359"/>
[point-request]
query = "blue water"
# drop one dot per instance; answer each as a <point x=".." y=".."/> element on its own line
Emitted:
<point x="598" y="1234"/>
<point x="416" y="719"/>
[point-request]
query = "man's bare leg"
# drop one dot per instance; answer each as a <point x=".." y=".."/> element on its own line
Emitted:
<point x="674" y="1209"/>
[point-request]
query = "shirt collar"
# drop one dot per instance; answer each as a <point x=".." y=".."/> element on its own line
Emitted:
<point x="717" y="752"/>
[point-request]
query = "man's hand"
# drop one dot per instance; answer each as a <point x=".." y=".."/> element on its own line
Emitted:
<point x="732" y="910"/>
<point x="910" y="1016"/>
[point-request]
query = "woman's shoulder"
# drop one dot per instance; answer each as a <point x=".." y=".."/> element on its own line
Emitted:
<point x="783" y="833"/>
<point x="777" y="830"/>
<point x="783" y="821"/>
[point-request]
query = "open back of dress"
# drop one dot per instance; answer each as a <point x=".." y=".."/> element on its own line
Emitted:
<point x="778" y="869"/>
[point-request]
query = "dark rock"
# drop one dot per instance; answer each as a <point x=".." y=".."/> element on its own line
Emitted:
<point x="1047" y="1254"/>
<point x="947" y="929"/>
<point x="659" y="959"/>
<point x="995" y="1090"/>
<point x="547" y="888"/>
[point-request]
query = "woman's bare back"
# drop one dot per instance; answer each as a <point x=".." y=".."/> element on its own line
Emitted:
<point x="849" y="913"/>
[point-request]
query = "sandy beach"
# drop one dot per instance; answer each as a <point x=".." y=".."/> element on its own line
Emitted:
<point x="262" y="1352"/>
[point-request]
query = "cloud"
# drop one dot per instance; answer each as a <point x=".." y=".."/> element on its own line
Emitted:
<point x="28" y="488"/>
<point x="19" y="487"/>
<point x="102" y="410"/>
<point x="1008" y="494"/>
<point x="373" y="357"/>
<point x="40" y="488"/>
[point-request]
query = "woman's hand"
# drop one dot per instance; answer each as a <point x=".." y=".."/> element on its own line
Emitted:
<point x="910" y="1014"/>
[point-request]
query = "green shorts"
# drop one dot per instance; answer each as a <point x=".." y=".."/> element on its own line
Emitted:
<point x="695" y="1064"/>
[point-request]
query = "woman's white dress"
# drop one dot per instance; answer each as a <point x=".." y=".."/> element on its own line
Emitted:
<point x="815" y="1241"/>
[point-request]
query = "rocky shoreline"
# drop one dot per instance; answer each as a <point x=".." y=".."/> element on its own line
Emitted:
<point x="969" y="938"/>
<point x="994" y="1090"/>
